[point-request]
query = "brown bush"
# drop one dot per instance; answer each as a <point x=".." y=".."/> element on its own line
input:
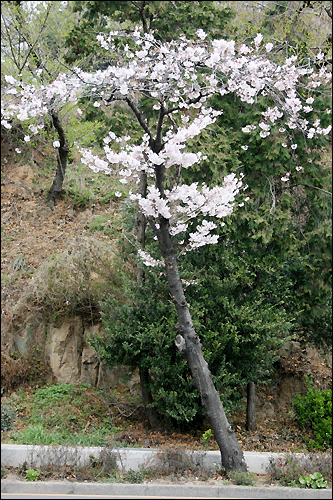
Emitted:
<point x="30" y="369"/>
<point x="14" y="372"/>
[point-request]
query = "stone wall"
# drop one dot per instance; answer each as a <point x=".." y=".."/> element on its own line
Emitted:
<point x="72" y="359"/>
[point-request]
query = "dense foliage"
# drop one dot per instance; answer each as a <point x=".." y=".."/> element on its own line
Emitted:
<point x="241" y="319"/>
<point x="8" y="416"/>
<point x="314" y="410"/>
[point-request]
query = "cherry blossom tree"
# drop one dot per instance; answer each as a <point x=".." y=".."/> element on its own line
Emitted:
<point x="167" y="86"/>
<point x="35" y="52"/>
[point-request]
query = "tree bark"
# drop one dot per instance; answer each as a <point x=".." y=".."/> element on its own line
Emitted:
<point x="147" y="399"/>
<point x="62" y="156"/>
<point x="251" y="407"/>
<point x="188" y="343"/>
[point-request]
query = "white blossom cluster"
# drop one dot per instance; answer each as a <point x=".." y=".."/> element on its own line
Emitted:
<point x="183" y="205"/>
<point x="178" y="77"/>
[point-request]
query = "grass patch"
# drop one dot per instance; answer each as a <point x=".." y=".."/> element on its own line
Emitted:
<point x="179" y="463"/>
<point x="86" y="187"/>
<point x="62" y="414"/>
<point x="38" y="434"/>
<point x="109" y="224"/>
<point x="242" y="478"/>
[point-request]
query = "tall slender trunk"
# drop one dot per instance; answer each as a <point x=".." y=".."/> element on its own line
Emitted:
<point x="188" y="343"/>
<point x="62" y="156"/>
<point x="147" y="398"/>
<point x="251" y="407"/>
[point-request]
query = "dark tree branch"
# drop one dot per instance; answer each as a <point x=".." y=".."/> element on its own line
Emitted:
<point x="158" y="139"/>
<point x="138" y="116"/>
<point x="62" y="156"/>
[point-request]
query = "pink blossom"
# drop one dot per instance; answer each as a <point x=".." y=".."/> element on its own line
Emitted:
<point x="11" y="80"/>
<point x="201" y="34"/>
<point x="258" y="40"/>
<point x="148" y="259"/>
<point x="6" y="124"/>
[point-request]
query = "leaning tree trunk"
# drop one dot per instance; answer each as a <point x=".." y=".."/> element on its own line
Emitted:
<point x="251" y="407"/>
<point x="188" y="343"/>
<point x="62" y="156"/>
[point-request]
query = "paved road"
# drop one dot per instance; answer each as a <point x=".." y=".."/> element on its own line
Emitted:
<point x="68" y="490"/>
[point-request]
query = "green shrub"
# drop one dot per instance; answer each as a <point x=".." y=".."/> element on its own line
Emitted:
<point x="32" y="475"/>
<point x="313" y="481"/>
<point x="207" y="436"/>
<point x="242" y="478"/>
<point x="134" y="476"/>
<point x="8" y="416"/>
<point x="54" y="393"/>
<point x="314" y="410"/>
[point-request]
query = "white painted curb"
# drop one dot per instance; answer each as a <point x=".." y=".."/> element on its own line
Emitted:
<point x="15" y="455"/>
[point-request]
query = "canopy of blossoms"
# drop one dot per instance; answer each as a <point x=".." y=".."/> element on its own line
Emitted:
<point x="177" y="78"/>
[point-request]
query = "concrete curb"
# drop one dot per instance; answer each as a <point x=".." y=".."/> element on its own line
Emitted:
<point x="131" y="458"/>
<point x="15" y="455"/>
<point x="117" y="490"/>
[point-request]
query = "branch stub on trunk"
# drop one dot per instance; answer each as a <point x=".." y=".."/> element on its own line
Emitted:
<point x="180" y="343"/>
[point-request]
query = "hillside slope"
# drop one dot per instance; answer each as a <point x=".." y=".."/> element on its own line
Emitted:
<point x="33" y="234"/>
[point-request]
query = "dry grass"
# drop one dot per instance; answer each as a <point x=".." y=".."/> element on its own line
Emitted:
<point x="85" y="271"/>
